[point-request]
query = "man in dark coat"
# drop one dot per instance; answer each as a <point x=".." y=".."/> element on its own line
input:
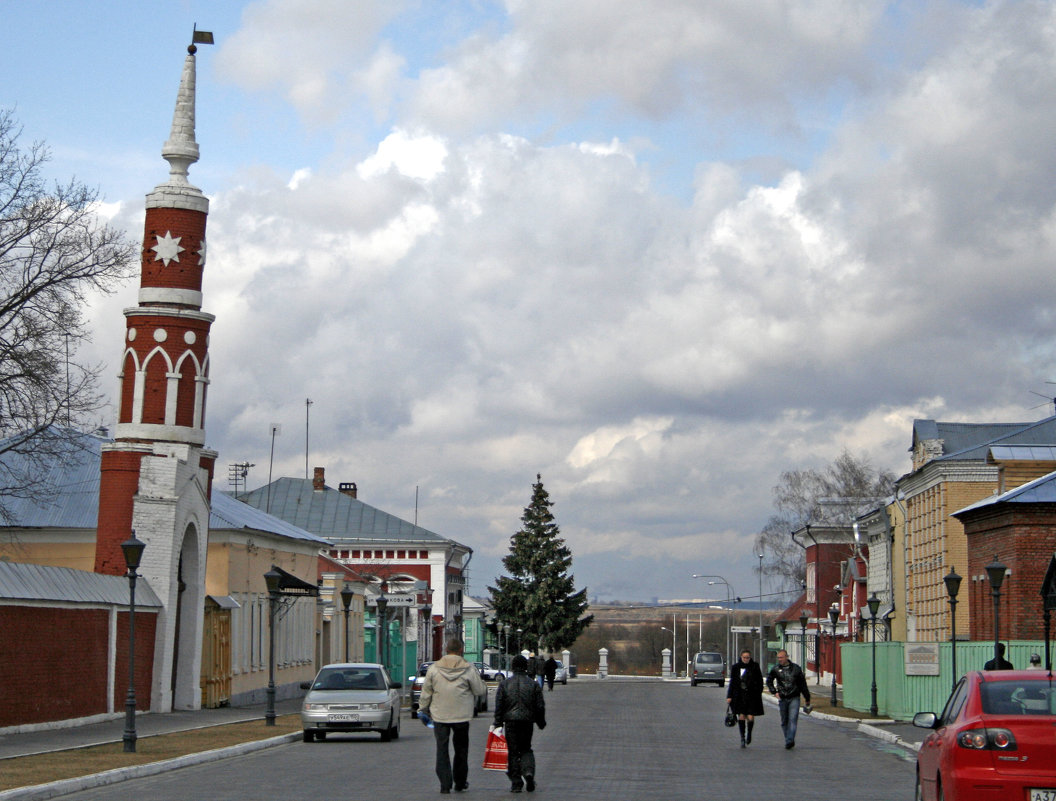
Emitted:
<point x="518" y="705"/>
<point x="999" y="662"/>
<point x="550" y="671"/>
<point x="745" y="694"/>
<point x="787" y="682"/>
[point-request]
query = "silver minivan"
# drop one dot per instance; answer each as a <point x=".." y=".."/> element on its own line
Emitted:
<point x="708" y="666"/>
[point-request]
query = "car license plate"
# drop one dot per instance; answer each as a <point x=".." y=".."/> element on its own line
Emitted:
<point x="1042" y="795"/>
<point x="349" y="718"/>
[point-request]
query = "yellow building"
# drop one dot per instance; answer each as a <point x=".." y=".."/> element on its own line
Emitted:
<point x="955" y="465"/>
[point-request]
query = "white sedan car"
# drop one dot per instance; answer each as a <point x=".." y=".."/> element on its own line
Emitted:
<point x="351" y="697"/>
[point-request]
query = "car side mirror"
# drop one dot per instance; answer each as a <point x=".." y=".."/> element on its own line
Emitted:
<point x="395" y="685"/>
<point x="926" y="720"/>
<point x="306" y="685"/>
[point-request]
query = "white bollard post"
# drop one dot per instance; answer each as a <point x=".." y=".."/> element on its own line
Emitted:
<point x="566" y="660"/>
<point x="603" y="662"/>
<point x="665" y="669"/>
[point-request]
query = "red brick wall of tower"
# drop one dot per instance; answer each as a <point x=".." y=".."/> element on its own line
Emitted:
<point x="118" y="485"/>
<point x="189" y="227"/>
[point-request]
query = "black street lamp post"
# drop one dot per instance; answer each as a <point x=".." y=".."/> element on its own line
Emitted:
<point x="834" y="616"/>
<point x="272" y="579"/>
<point x="874" y="607"/>
<point x="427" y="619"/>
<point x="996" y="573"/>
<point x="132" y="549"/>
<point x="346" y="601"/>
<point x="953" y="586"/>
<point x="383" y="605"/>
<point x="804" y="616"/>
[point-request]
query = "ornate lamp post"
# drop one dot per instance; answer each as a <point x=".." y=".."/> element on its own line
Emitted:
<point x="953" y="586"/>
<point x="427" y="620"/>
<point x="346" y="602"/>
<point x="996" y="573"/>
<point x="132" y="549"/>
<point x="804" y="616"/>
<point x="383" y="605"/>
<point x="272" y="579"/>
<point x="874" y="607"/>
<point x="762" y="639"/>
<point x="834" y="616"/>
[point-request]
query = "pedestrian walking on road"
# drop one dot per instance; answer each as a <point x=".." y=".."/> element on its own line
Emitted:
<point x="745" y="694"/>
<point x="787" y="682"/>
<point x="449" y="695"/>
<point x="518" y="705"/>
<point x="550" y="671"/>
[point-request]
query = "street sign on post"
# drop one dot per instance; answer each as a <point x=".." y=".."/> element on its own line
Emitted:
<point x="394" y="600"/>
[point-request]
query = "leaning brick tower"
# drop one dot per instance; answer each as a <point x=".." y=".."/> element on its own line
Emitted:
<point x="156" y="476"/>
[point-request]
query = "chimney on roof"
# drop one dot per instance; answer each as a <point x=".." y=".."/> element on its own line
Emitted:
<point x="319" y="480"/>
<point x="347" y="488"/>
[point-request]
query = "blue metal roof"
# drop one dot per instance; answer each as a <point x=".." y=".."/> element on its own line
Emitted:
<point x="1040" y="490"/>
<point x="72" y="499"/>
<point x="1023" y="453"/>
<point x="334" y="515"/>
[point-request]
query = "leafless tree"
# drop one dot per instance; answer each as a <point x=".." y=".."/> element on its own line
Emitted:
<point x="53" y="252"/>
<point x="798" y="500"/>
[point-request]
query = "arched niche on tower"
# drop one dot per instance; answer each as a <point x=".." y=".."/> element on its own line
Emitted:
<point x="189" y="577"/>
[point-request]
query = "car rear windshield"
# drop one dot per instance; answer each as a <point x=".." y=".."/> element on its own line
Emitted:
<point x="349" y="679"/>
<point x="1029" y="697"/>
<point x="710" y="658"/>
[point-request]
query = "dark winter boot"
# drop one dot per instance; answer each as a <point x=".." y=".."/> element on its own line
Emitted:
<point x="748" y="739"/>
<point x="740" y="725"/>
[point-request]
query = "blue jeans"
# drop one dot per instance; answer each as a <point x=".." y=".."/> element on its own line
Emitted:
<point x="458" y="734"/>
<point x="789" y="708"/>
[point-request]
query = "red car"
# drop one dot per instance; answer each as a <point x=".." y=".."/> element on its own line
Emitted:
<point x="996" y="740"/>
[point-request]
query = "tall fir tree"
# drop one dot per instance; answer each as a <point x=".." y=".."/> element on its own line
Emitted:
<point x="538" y="596"/>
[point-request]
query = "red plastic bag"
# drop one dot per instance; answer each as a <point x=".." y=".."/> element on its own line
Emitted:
<point x="495" y="753"/>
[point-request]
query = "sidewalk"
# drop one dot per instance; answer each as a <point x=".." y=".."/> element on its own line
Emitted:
<point x="61" y="738"/>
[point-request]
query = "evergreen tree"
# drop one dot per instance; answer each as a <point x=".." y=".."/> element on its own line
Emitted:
<point x="538" y="596"/>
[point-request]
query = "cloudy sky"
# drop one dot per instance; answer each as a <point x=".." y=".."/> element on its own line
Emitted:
<point x="658" y="251"/>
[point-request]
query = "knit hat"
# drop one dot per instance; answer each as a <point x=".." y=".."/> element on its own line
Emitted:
<point x="519" y="664"/>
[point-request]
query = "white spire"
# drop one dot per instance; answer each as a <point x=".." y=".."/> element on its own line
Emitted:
<point x="181" y="151"/>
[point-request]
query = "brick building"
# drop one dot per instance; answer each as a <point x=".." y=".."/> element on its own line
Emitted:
<point x="1018" y="529"/>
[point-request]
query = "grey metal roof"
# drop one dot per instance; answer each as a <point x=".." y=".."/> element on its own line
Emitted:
<point x="20" y="581"/>
<point x="334" y="515"/>
<point x="965" y="441"/>
<point x="1040" y="490"/>
<point x="73" y="499"/>
<point x="1023" y="453"/>
<point x="227" y="513"/>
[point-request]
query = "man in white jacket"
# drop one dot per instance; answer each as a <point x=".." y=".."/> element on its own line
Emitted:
<point x="449" y="695"/>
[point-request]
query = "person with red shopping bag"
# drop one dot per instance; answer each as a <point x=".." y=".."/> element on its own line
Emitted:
<point x="519" y="706"/>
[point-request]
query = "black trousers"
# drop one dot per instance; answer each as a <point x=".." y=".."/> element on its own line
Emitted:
<point x="519" y="745"/>
<point x="459" y="734"/>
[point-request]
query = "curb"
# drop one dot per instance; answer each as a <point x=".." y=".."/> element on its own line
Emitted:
<point x="870" y="729"/>
<point x="40" y="792"/>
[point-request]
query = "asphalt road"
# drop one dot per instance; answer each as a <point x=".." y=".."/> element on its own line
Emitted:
<point x="607" y="740"/>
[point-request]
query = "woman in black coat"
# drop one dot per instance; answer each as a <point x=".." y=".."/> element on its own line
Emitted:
<point x="745" y="694"/>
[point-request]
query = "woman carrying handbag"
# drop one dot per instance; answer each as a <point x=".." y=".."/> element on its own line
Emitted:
<point x="745" y="694"/>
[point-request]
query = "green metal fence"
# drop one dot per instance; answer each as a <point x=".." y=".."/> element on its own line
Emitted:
<point x="900" y="696"/>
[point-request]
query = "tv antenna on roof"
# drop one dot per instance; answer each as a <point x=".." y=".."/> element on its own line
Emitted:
<point x="1048" y="398"/>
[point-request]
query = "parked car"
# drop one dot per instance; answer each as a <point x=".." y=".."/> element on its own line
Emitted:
<point x="416" y="692"/>
<point x="416" y="686"/>
<point x="351" y="697"/>
<point x="490" y="673"/>
<point x="994" y="739"/>
<point x="562" y="672"/>
<point x="708" y="666"/>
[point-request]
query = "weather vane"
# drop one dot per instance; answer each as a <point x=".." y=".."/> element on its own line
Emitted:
<point x="199" y="37"/>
